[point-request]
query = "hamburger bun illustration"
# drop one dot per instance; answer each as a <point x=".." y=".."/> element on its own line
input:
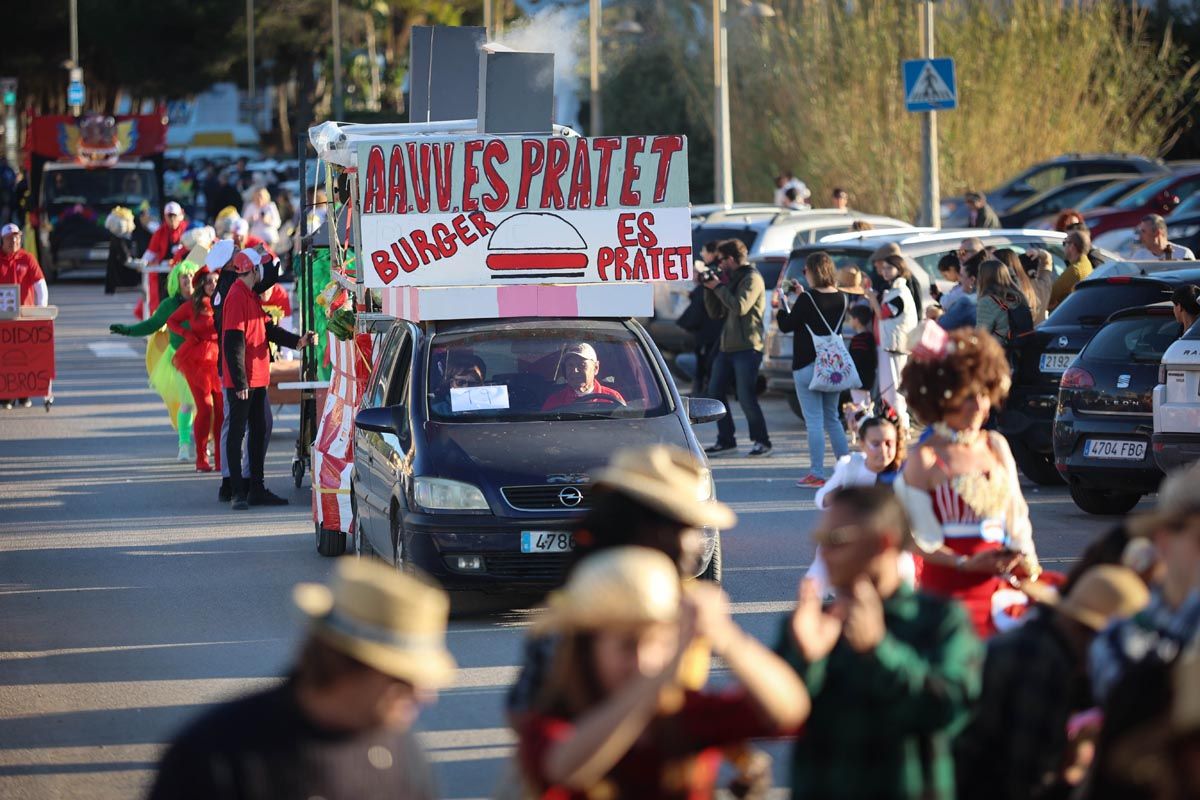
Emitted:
<point x="534" y="244"/>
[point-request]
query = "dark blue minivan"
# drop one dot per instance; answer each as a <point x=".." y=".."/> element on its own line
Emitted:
<point x="473" y="454"/>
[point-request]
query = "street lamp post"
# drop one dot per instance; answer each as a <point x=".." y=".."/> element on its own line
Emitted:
<point x="722" y="153"/>
<point x="250" y="88"/>
<point x="337" y="60"/>
<point x="931" y="213"/>
<point x="76" y="109"/>
<point x="597" y="119"/>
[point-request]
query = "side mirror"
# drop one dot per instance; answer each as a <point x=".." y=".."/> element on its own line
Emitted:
<point x="376" y="420"/>
<point x="703" y="409"/>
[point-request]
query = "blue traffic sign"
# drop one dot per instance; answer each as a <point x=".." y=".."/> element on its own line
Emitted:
<point x="75" y="93"/>
<point x="930" y="85"/>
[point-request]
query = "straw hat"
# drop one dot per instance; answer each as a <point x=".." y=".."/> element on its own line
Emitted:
<point x="623" y="586"/>
<point x="1177" y="499"/>
<point x="197" y="255"/>
<point x="884" y="251"/>
<point x="670" y="481"/>
<point x="392" y="622"/>
<point x="1104" y="593"/>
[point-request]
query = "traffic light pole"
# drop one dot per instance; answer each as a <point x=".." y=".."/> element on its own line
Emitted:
<point x="8" y="86"/>
<point x="931" y="204"/>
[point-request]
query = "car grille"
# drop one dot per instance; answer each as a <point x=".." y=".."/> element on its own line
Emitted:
<point x="547" y="497"/>
<point x="532" y="567"/>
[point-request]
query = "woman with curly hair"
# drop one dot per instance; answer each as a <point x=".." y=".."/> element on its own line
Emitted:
<point x="970" y="521"/>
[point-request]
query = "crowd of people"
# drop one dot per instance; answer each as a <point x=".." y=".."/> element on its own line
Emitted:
<point x="214" y="334"/>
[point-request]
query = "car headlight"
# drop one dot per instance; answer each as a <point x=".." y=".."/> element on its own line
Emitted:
<point x="707" y="489"/>
<point x="442" y="494"/>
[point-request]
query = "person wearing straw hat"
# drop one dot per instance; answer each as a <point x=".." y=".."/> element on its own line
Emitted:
<point x="1034" y="679"/>
<point x="1172" y="617"/>
<point x="340" y="725"/>
<point x="892" y="672"/>
<point x="613" y="720"/>
<point x="646" y="497"/>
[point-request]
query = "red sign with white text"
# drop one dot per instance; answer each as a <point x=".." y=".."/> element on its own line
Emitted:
<point x="26" y="358"/>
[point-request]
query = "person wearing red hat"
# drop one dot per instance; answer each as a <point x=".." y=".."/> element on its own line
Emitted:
<point x="196" y="358"/>
<point x="245" y="333"/>
<point x="168" y="236"/>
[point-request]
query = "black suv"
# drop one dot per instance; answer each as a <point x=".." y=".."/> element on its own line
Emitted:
<point x="1028" y="416"/>
<point x="1052" y="172"/>
<point x="1106" y="412"/>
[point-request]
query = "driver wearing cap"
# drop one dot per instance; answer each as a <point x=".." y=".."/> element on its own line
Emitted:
<point x="580" y="367"/>
<point x="17" y="265"/>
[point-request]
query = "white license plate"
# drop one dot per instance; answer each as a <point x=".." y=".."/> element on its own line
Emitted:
<point x="1056" y="362"/>
<point x="546" y="542"/>
<point x="1117" y="449"/>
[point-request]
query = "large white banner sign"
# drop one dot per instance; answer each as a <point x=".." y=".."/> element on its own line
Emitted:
<point x="476" y="210"/>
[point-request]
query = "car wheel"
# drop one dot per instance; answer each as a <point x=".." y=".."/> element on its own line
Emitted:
<point x="794" y="404"/>
<point x="713" y="571"/>
<point x="330" y="543"/>
<point x="399" y="544"/>
<point x="362" y="545"/>
<point x="1038" y="467"/>
<point x="1098" y="501"/>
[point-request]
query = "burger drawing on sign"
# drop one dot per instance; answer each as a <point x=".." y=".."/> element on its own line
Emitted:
<point x="536" y="245"/>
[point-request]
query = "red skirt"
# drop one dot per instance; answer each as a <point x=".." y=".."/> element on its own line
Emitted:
<point x="973" y="589"/>
<point x="198" y="363"/>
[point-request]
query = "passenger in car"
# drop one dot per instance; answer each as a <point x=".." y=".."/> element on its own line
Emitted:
<point x="580" y="366"/>
<point x="460" y="375"/>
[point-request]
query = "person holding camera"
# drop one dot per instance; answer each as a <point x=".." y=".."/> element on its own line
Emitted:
<point x="706" y="331"/>
<point x="740" y="303"/>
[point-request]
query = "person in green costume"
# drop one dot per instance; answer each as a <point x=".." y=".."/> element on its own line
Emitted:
<point x="164" y="377"/>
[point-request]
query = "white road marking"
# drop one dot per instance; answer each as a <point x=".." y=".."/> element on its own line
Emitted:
<point x="113" y="350"/>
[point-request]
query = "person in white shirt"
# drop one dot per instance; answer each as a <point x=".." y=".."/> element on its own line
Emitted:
<point x="789" y="181"/>
<point x="262" y="215"/>
<point x="1152" y="233"/>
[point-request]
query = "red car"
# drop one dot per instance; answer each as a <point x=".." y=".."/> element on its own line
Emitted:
<point x="1156" y="197"/>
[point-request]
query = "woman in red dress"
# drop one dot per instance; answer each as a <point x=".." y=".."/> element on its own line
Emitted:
<point x="196" y="359"/>
<point x="960" y="486"/>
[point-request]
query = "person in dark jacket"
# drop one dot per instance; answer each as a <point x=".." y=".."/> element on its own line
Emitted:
<point x="706" y="331"/>
<point x="820" y="312"/>
<point x="979" y="213"/>
<point x="118" y="274"/>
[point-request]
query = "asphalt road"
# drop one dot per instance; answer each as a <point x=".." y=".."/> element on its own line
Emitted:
<point x="131" y="599"/>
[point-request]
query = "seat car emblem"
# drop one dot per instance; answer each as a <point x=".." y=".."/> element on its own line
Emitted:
<point x="1063" y="341"/>
<point x="570" y="497"/>
<point x="1122" y="381"/>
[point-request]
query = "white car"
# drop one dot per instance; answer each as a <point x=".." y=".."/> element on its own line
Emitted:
<point x="1176" y="438"/>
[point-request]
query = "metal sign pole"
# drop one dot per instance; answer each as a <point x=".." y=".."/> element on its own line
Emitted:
<point x="931" y="212"/>
<point x="723" y="191"/>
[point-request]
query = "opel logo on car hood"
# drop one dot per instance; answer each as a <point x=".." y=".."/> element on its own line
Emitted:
<point x="570" y="497"/>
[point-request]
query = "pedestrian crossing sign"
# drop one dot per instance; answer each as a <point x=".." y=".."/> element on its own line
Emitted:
<point x="929" y="85"/>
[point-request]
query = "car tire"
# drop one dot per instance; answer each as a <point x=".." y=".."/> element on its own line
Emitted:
<point x="399" y="544"/>
<point x="1101" y="502"/>
<point x="362" y="545"/>
<point x="713" y="571"/>
<point x="1038" y="467"/>
<point x="330" y="543"/>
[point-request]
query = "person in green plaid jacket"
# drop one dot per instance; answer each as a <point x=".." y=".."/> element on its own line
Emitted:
<point x="892" y="672"/>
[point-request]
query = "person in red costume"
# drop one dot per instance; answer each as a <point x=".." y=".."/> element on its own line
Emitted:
<point x="169" y="235"/>
<point x="196" y="358"/>
<point x="18" y="266"/>
<point x="580" y="367"/>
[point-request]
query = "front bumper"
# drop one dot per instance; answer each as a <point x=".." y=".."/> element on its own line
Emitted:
<point x="1118" y="475"/>
<point x="435" y="542"/>
<point x="1175" y="450"/>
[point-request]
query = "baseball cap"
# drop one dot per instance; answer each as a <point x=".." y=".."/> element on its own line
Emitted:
<point x="172" y="208"/>
<point x="219" y="254"/>
<point x="10" y="229"/>
<point x="246" y="261"/>
<point x="581" y="349"/>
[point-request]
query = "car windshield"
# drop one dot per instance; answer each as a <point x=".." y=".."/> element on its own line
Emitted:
<point x="542" y="370"/>
<point x="1141" y="339"/>
<point x="841" y="258"/>
<point x="719" y="233"/>
<point x="1193" y="333"/>
<point x="1143" y="195"/>
<point x="100" y="189"/>
<point x="1109" y="194"/>
<point x="1091" y="303"/>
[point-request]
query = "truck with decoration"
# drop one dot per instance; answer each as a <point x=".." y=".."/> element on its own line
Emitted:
<point x="79" y="169"/>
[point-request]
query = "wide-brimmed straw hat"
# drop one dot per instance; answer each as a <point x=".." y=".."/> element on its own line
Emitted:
<point x="1177" y="499"/>
<point x="1105" y="593"/>
<point x="668" y="480"/>
<point x="619" y="587"/>
<point x="391" y="622"/>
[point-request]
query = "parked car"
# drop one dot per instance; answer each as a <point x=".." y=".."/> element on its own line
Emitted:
<point x="921" y="249"/>
<point x="1105" y="417"/>
<point x="1049" y="202"/>
<point x="1183" y="228"/>
<point x="1157" y="197"/>
<point x="1176" y="439"/>
<point x="702" y="213"/>
<point x="1052" y="172"/>
<point x="1105" y="196"/>
<point x="1027" y="419"/>
<point x="481" y="486"/>
<point x="769" y="239"/>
